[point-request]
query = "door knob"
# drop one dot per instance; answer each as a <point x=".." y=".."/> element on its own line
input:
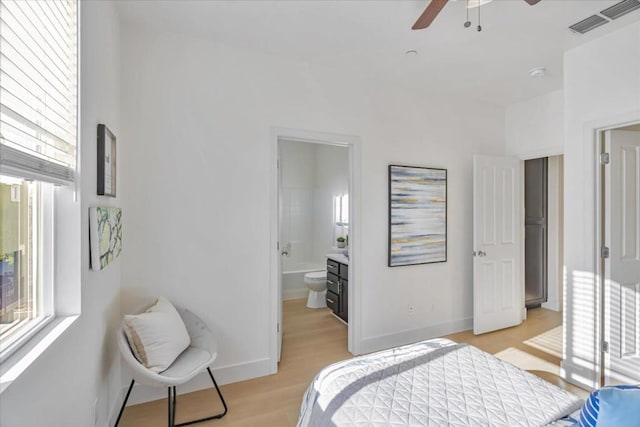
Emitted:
<point x="479" y="253"/>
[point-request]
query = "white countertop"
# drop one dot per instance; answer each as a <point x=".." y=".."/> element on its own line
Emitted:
<point x="339" y="258"/>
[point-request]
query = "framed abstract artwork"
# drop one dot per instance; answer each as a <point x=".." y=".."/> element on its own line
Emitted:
<point x="417" y="215"/>
<point x="106" y="162"/>
<point x="105" y="236"/>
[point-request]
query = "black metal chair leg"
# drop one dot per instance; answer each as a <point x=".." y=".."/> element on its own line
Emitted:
<point x="173" y="413"/>
<point x="124" y="403"/>
<point x="213" y="417"/>
<point x="172" y="405"/>
<point x="170" y="408"/>
<point x="219" y="395"/>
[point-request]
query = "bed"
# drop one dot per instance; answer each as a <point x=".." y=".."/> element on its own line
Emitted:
<point x="433" y="383"/>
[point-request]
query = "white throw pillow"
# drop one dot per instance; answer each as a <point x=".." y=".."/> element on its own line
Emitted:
<point x="157" y="336"/>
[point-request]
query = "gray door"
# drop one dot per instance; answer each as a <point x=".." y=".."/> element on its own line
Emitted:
<point x="535" y="243"/>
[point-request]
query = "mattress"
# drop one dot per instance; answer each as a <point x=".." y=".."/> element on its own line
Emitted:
<point x="432" y="383"/>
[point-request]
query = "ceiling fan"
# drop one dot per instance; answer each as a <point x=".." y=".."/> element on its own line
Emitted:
<point x="434" y="9"/>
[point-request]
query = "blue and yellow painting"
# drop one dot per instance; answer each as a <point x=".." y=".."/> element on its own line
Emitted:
<point x="105" y="233"/>
<point x="417" y="215"/>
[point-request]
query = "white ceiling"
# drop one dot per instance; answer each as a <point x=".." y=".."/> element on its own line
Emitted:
<point x="373" y="36"/>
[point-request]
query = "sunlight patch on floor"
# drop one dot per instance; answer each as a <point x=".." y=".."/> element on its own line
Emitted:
<point x="550" y="342"/>
<point x="526" y="361"/>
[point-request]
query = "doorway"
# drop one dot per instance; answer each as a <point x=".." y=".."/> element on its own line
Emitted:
<point x="289" y="191"/>
<point x="314" y="228"/>
<point x="535" y="237"/>
<point x="543" y="258"/>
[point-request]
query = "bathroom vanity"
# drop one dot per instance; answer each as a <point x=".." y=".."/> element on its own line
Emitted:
<point x="338" y="285"/>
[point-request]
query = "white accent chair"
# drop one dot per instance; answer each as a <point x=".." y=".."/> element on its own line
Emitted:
<point x="200" y="354"/>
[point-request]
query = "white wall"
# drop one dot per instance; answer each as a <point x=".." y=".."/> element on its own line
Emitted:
<point x="83" y="364"/>
<point x="535" y="128"/>
<point x="298" y="172"/>
<point x="197" y="118"/>
<point x="602" y="88"/>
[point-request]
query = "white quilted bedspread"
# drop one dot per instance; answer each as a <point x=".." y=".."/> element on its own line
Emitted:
<point x="432" y="383"/>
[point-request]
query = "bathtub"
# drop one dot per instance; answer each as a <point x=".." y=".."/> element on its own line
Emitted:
<point x="293" y="286"/>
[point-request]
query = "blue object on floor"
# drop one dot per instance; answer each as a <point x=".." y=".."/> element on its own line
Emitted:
<point x="589" y="415"/>
<point x="619" y="407"/>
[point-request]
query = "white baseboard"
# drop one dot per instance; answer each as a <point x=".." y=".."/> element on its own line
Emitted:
<point x="224" y="375"/>
<point x="288" y="294"/>
<point x="552" y="305"/>
<point x="408" y="336"/>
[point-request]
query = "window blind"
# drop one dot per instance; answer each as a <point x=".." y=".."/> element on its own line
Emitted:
<point x="38" y="89"/>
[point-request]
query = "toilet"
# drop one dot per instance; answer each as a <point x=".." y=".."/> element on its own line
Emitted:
<point x="316" y="281"/>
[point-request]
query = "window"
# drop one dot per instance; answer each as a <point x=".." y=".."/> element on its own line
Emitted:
<point x="341" y="216"/>
<point x="25" y="230"/>
<point x="342" y="210"/>
<point x="38" y="128"/>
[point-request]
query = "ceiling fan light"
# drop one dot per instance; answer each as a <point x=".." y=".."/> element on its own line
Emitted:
<point x="476" y="3"/>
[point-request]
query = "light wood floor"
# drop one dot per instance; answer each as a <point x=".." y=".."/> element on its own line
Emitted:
<point x="313" y="339"/>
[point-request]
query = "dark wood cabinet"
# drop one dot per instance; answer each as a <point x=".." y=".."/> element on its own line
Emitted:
<point x="338" y="288"/>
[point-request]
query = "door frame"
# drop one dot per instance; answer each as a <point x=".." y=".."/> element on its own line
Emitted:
<point x="524" y="157"/>
<point x="596" y="134"/>
<point x="353" y="143"/>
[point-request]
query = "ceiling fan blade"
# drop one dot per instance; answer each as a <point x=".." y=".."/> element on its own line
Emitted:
<point x="532" y="2"/>
<point x="429" y="14"/>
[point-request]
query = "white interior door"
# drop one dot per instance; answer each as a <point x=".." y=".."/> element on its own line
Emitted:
<point x="497" y="234"/>
<point x="622" y="268"/>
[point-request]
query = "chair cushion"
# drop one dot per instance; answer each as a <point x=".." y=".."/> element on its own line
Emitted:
<point x="157" y="336"/>
<point x="190" y="363"/>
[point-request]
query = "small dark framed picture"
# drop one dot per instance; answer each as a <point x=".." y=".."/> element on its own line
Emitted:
<point x="106" y="162"/>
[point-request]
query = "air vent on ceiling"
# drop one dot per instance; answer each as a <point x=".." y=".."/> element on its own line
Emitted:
<point x="588" y="24"/>
<point x="620" y="9"/>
